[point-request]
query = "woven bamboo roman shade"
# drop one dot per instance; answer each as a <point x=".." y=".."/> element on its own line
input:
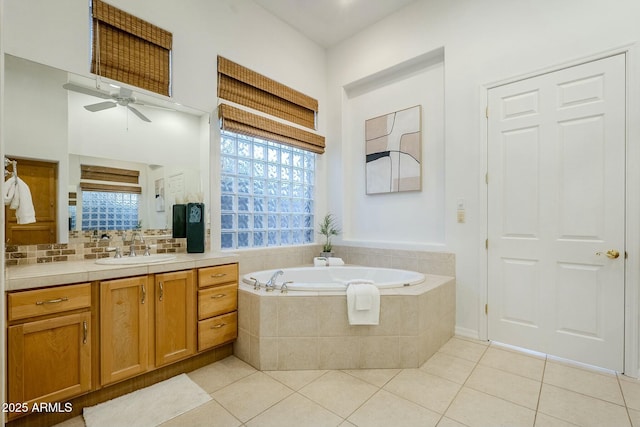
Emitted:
<point x="109" y="175"/>
<point x="245" y="87"/>
<point x="130" y="50"/>
<point x="241" y="121"/>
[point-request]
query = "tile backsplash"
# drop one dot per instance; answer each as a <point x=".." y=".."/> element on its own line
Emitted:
<point x="84" y="245"/>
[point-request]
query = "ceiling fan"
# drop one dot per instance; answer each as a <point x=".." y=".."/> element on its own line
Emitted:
<point x="122" y="97"/>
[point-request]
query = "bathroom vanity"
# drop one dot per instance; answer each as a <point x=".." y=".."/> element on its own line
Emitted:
<point x="84" y="329"/>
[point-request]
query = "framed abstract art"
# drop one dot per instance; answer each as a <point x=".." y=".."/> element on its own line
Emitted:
<point x="394" y="152"/>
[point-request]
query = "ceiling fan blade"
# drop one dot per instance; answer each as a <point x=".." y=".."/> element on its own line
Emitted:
<point x="138" y="113"/>
<point x="86" y="90"/>
<point x="100" y="106"/>
<point x="157" y="107"/>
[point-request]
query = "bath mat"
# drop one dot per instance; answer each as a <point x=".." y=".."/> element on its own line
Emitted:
<point x="150" y="406"/>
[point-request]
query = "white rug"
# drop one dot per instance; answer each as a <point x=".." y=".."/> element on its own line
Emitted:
<point x="149" y="406"/>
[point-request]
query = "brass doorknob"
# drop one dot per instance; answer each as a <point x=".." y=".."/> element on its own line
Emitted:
<point x="611" y="253"/>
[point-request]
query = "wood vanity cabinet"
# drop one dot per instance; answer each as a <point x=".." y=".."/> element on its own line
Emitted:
<point x="175" y="328"/>
<point x="124" y="327"/>
<point x="217" y="305"/>
<point x="48" y="344"/>
<point x="146" y="322"/>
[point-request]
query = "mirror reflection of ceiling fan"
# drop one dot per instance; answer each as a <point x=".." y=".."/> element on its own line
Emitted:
<point x="123" y="97"/>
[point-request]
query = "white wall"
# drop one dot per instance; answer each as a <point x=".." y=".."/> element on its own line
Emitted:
<point x="36" y="122"/>
<point x="57" y="34"/>
<point x="172" y="137"/>
<point x="483" y="42"/>
<point x="412" y="218"/>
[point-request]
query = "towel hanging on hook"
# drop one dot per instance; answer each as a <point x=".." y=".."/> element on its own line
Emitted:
<point x="14" y="167"/>
<point x="17" y="195"/>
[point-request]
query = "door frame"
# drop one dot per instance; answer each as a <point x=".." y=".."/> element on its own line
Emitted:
<point x="632" y="197"/>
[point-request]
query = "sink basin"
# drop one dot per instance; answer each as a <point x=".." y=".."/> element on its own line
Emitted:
<point x="140" y="259"/>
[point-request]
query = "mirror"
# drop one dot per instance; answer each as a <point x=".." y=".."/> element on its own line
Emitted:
<point x="46" y="122"/>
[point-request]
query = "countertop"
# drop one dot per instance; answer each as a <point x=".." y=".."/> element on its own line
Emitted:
<point x="20" y="277"/>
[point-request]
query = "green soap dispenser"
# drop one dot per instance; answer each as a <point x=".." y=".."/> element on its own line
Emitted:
<point x="195" y="227"/>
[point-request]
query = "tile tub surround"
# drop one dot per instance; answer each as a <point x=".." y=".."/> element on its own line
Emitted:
<point x="310" y="330"/>
<point x="426" y="262"/>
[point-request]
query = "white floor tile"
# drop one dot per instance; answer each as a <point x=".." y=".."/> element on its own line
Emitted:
<point x="514" y="388"/>
<point x="295" y="411"/>
<point x="251" y="395"/>
<point x="474" y="408"/>
<point x="427" y="390"/>
<point x="466" y="383"/>
<point x="580" y="409"/>
<point x="339" y="392"/>
<point x="591" y="383"/>
<point x="513" y="362"/>
<point x="449" y="367"/>
<point x="386" y="409"/>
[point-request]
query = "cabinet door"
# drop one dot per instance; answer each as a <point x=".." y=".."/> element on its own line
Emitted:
<point x="175" y="316"/>
<point x="124" y="328"/>
<point x="49" y="360"/>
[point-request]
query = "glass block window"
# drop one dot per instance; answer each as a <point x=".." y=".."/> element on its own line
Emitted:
<point x="267" y="192"/>
<point x="109" y="211"/>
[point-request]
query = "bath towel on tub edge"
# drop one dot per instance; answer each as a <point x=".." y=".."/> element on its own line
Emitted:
<point x="363" y="304"/>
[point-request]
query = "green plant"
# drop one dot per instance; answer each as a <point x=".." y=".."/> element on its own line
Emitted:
<point x="328" y="228"/>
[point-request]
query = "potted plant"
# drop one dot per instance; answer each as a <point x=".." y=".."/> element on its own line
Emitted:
<point x="328" y="228"/>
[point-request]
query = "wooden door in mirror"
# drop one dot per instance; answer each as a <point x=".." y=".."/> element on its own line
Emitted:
<point x="42" y="179"/>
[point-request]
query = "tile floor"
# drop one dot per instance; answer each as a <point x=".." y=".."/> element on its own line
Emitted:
<point x="466" y="383"/>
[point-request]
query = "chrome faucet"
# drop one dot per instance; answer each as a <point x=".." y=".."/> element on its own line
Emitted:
<point x="132" y="248"/>
<point x="284" y="288"/>
<point x="271" y="283"/>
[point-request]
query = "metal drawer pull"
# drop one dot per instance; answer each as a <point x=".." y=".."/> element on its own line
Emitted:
<point x="52" y="301"/>
<point x="144" y="294"/>
<point x="218" y="326"/>
<point x="218" y="296"/>
<point x="161" y="290"/>
<point x="84" y="332"/>
<point x="215" y="276"/>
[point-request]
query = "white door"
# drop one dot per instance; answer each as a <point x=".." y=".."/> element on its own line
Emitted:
<point x="556" y="185"/>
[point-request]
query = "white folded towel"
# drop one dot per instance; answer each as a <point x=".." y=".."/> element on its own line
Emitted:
<point x="319" y="262"/>
<point x="17" y="193"/>
<point x="363" y="304"/>
<point x="323" y="262"/>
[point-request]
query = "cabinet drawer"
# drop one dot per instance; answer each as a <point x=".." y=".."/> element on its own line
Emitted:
<point x="217" y="330"/>
<point x="217" y="300"/>
<point x="48" y="301"/>
<point x="216" y="275"/>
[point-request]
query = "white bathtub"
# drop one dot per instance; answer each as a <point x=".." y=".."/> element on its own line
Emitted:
<point x="337" y="278"/>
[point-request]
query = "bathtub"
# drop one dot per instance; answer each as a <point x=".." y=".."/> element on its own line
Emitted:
<point x="308" y="327"/>
<point x="335" y="279"/>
